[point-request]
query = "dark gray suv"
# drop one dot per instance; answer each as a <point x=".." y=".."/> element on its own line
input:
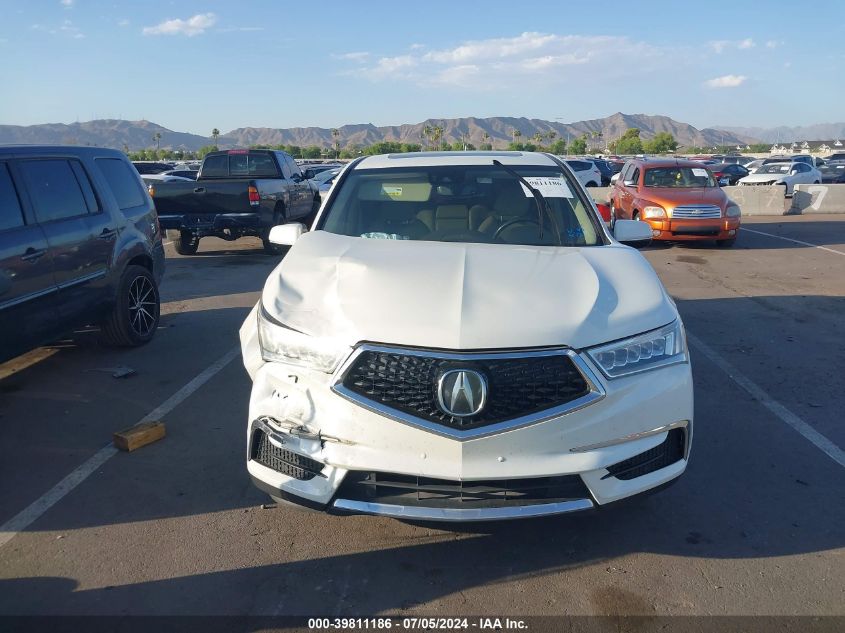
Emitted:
<point x="79" y="244"/>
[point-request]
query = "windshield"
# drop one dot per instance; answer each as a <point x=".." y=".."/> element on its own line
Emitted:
<point x="478" y="204"/>
<point x="775" y="168"/>
<point x="678" y="177"/>
<point x="325" y="176"/>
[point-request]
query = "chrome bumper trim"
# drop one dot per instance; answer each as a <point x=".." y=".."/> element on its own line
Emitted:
<point x="459" y="514"/>
<point x="636" y="436"/>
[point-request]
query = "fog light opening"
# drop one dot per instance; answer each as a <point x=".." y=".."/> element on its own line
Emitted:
<point x="655" y="233"/>
<point x="732" y="232"/>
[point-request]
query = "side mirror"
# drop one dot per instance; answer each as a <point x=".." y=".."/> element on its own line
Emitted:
<point x="286" y="234"/>
<point x="632" y="232"/>
<point x="614" y="178"/>
<point x="629" y="183"/>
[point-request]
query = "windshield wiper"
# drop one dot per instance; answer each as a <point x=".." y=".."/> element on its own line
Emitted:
<point x="539" y="200"/>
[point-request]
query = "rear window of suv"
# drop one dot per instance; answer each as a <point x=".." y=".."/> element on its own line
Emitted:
<point x="123" y="183"/>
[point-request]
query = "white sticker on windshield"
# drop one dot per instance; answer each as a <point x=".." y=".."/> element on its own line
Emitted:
<point x="698" y="171"/>
<point x="549" y="187"/>
<point x="393" y="192"/>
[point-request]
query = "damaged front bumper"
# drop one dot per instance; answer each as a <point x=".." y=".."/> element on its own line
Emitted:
<point x="309" y="445"/>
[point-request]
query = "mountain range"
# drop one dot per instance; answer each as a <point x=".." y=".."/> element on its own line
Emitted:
<point x="136" y="135"/>
<point x="784" y="134"/>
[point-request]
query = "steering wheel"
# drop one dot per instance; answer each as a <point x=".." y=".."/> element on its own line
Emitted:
<point x="511" y="223"/>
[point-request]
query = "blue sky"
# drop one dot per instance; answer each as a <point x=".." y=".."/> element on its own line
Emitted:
<point x="192" y="66"/>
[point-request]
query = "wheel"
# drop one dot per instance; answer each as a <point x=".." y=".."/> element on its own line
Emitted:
<point x="636" y="216"/>
<point x="726" y="243"/>
<point x="308" y="220"/>
<point x="187" y="243"/>
<point x="269" y="248"/>
<point x="592" y="184"/>
<point x="135" y="314"/>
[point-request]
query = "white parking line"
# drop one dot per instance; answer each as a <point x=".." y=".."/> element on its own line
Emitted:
<point x="820" y="441"/>
<point x="28" y="515"/>
<point x="789" y="239"/>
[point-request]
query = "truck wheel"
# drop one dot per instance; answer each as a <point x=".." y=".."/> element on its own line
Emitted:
<point x="187" y="243"/>
<point x="134" y="318"/>
<point x="308" y="220"/>
<point x="273" y="249"/>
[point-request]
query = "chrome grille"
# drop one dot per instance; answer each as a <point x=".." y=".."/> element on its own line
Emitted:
<point x="697" y="211"/>
<point x="524" y="387"/>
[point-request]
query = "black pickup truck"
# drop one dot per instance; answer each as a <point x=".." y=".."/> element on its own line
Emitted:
<point x="237" y="193"/>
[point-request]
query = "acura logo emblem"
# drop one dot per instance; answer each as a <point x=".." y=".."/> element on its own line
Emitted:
<point x="461" y="392"/>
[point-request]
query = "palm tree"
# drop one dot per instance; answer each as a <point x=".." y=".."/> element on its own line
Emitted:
<point x="157" y="139"/>
<point x="486" y="138"/>
<point x="336" y="137"/>
<point x="437" y="136"/>
<point x="215" y="133"/>
<point x="516" y="135"/>
<point x="551" y="134"/>
<point x="427" y="131"/>
<point x="538" y="138"/>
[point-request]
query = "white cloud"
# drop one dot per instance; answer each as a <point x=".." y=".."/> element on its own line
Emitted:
<point x="720" y="46"/>
<point x="486" y="64"/>
<point x="195" y="25"/>
<point x="123" y="22"/>
<point x="240" y="29"/>
<point x="67" y="4"/>
<point x="67" y="28"/>
<point x="726" y="81"/>
<point x="357" y="56"/>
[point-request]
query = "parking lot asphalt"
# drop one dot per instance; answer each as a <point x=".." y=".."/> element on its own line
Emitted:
<point x="754" y="527"/>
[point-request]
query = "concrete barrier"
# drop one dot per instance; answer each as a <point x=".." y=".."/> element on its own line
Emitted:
<point x="600" y="194"/>
<point x="809" y="199"/>
<point x="760" y="199"/>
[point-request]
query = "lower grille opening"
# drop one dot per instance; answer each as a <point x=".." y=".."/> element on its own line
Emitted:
<point x="696" y="231"/>
<point x="408" y="490"/>
<point x="665" y="454"/>
<point x="283" y="461"/>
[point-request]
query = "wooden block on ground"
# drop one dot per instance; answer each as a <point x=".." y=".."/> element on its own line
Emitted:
<point x="139" y="435"/>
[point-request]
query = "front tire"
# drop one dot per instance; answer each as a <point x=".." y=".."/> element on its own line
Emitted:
<point x="187" y="243"/>
<point x="135" y="315"/>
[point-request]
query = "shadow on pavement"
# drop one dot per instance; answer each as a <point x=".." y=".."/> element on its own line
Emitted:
<point x="754" y="489"/>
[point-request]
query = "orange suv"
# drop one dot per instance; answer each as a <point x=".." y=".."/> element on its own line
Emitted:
<point x="680" y="199"/>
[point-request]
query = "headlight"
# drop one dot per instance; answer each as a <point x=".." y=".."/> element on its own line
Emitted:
<point x="732" y="211"/>
<point x="658" y="348"/>
<point x="281" y="344"/>
<point x="654" y="212"/>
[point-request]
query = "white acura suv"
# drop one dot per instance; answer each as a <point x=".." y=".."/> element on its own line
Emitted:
<point x="459" y="338"/>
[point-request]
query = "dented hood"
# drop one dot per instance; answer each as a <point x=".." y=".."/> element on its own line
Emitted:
<point x="464" y="296"/>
